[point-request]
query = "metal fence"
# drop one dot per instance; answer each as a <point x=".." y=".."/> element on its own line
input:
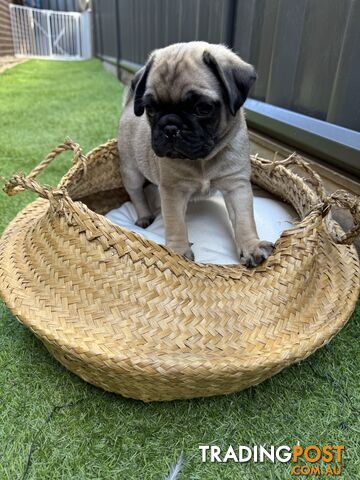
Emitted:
<point x="305" y="51"/>
<point x="45" y="33"/>
<point x="59" y="5"/>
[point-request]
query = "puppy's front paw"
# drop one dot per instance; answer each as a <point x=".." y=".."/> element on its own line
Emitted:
<point x="144" y="222"/>
<point x="189" y="254"/>
<point x="256" y="253"/>
<point x="185" y="251"/>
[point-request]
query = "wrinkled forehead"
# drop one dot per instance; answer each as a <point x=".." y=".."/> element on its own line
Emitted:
<point x="171" y="79"/>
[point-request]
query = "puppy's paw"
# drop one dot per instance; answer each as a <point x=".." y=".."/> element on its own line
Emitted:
<point x="144" y="222"/>
<point x="189" y="254"/>
<point x="256" y="253"/>
<point x="185" y="251"/>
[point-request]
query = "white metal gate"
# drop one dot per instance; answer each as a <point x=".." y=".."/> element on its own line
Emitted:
<point x="46" y="33"/>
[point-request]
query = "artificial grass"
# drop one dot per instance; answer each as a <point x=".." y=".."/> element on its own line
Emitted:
<point x="73" y="430"/>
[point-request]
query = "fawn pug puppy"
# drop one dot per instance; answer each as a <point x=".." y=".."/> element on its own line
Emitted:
<point x="183" y="129"/>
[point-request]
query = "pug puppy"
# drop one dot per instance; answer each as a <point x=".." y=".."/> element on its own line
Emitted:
<point x="183" y="129"/>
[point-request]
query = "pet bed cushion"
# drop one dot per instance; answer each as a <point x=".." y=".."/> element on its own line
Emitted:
<point x="209" y="226"/>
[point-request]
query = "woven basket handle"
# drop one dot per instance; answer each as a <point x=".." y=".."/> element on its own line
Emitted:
<point x="339" y="198"/>
<point x="343" y="199"/>
<point x="295" y="160"/>
<point x="20" y="182"/>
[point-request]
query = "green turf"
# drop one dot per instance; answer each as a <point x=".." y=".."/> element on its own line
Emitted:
<point x="76" y="431"/>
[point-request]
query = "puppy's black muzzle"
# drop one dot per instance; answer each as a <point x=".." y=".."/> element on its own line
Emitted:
<point x="173" y="138"/>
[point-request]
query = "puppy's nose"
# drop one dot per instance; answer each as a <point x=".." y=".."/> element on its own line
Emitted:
<point x="171" y="131"/>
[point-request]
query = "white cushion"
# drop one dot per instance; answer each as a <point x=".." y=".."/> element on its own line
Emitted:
<point x="209" y="227"/>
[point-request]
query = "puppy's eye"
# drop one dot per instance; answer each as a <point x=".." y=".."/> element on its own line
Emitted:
<point x="150" y="110"/>
<point x="203" y="109"/>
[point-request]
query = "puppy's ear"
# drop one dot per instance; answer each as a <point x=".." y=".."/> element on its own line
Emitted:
<point x="138" y="85"/>
<point x="235" y="78"/>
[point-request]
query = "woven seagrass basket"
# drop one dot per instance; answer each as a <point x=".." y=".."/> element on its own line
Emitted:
<point x="133" y="317"/>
